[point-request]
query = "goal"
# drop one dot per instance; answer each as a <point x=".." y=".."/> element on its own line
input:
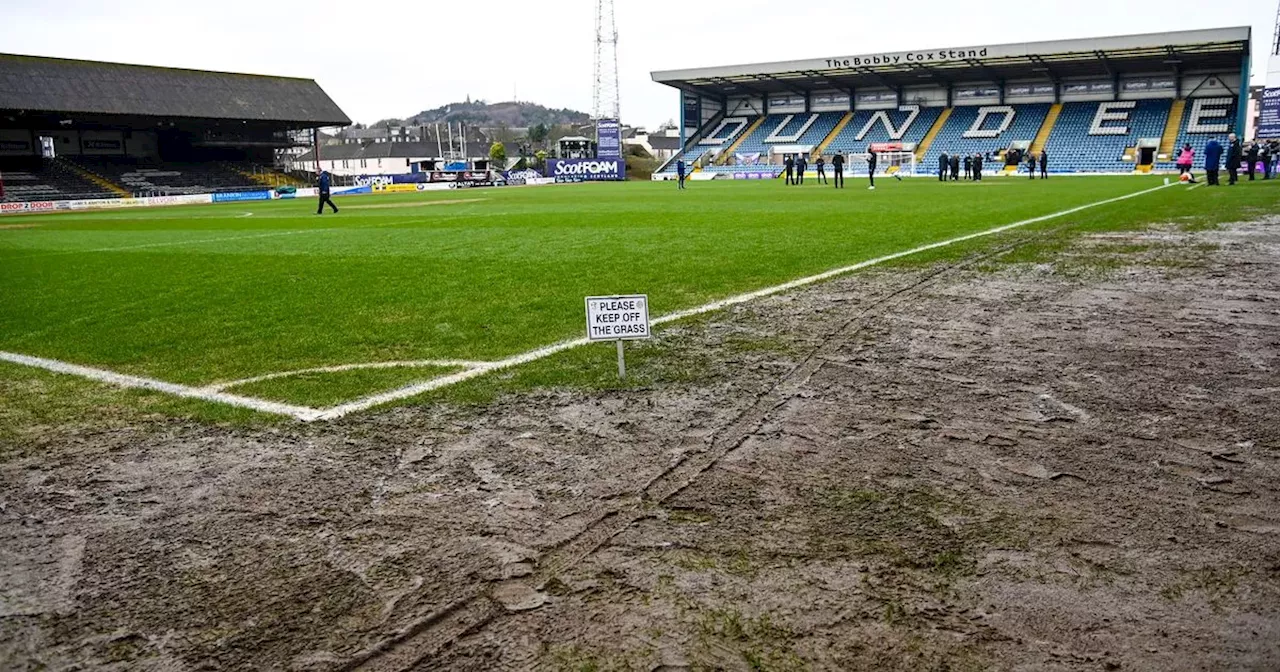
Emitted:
<point x="887" y="163"/>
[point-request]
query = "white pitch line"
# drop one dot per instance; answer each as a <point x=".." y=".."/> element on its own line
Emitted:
<point x="299" y="412"/>
<point x="533" y="355"/>
<point x="417" y="364"/>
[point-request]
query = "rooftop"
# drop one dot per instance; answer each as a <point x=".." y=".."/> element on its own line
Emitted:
<point x="36" y="84"/>
<point x="1219" y="49"/>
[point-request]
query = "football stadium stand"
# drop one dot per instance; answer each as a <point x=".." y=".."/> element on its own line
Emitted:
<point x="1203" y="120"/>
<point x="32" y="179"/>
<point x="1101" y="105"/>
<point x="907" y="124"/>
<point x="982" y="130"/>
<point x="1097" y="137"/>
<point x="74" y="129"/>
<point x="150" y="177"/>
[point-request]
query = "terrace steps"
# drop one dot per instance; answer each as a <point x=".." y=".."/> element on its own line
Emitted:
<point x="923" y="148"/>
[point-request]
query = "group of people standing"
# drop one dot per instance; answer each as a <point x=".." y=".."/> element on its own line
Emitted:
<point x="1264" y="152"/>
<point x="950" y="166"/>
<point x="796" y="166"/>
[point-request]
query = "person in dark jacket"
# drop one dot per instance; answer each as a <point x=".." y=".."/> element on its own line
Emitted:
<point x="943" y="163"/>
<point x="324" y="182"/>
<point x="1264" y="155"/>
<point x="1251" y="157"/>
<point x="871" y="167"/>
<point x="680" y="172"/>
<point x="790" y="163"/>
<point x="802" y="165"/>
<point x="1031" y="165"/>
<point x="968" y="167"/>
<point x="1212" y="162"/>
<point x="955" y="167"/>
<point x="1044" y="164"/>
<point x="1234" y="156"/>
<point x="977" y="167"/>
<point x="837" y="163"/>
<point x="822" y="170"/>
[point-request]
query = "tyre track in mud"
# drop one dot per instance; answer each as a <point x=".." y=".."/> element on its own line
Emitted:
<point x="480" y="609"/>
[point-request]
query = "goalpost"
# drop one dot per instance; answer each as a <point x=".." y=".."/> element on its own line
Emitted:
<point x="887" y="163"/>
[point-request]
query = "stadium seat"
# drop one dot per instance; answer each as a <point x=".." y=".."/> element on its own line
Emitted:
<point x="718" y="137"/>
<point x="870" y="124"/>
<point x="997" y="130"/>
<point x="1217" y="118"/>
<point x="44" y="180"/>
<point x="147" y="176"/>
<point x="790" y="129"/>
<point x="1089" y="139"/>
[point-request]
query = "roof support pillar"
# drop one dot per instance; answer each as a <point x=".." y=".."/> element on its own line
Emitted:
<point x="1000" y="84"/>
<point x="683" y="139"/>
<point x="950" y="94"/>
<point x="808" y="102"/>
<point x="853" y="99"/>
<point x="1242" y="107"/>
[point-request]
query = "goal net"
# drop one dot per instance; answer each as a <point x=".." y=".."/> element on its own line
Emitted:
<point x="887" y="163"/>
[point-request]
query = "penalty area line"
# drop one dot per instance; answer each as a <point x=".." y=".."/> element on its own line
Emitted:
<point x="541" y="353"/>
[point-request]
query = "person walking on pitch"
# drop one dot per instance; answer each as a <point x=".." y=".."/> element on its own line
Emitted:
<point x="324" y="183"/>
<point x="871" y="168"/>
<point x="837" y="162"/>
<point x="680" y="172"/>
<point x="1044" y="164"/>
<point x="822" y="170"/>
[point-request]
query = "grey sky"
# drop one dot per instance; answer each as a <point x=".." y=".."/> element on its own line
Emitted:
<point x="389" y="59"/>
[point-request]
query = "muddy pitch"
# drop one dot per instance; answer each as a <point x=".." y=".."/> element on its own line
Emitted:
<point x="1066" y="465"/>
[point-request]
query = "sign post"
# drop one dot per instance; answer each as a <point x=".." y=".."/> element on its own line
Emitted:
<point x="618" y="319"/>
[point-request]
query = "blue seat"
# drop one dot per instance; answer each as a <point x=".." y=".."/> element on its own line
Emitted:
<point x="1072" y="148"/>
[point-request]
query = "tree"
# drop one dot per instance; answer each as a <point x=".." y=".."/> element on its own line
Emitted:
<point x="541" y="156"/>
<point x="498" y="156"/>
<point x="538" y="133"/>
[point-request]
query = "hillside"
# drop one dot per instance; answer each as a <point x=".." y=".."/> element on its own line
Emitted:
<point x="479" y="113"/>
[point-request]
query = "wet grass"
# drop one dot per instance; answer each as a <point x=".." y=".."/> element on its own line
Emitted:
<point x="382" y="327"/>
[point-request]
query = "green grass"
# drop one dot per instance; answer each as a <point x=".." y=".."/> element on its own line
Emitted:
<point x="208" y="293"/>
<point x="332" y="388"/>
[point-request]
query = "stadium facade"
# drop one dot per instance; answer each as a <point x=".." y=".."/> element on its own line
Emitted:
<point x="73" y="129"/>
<point x="1104" y="105"/>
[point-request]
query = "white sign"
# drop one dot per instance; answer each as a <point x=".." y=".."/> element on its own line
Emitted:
<point x="617" y="318"/>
